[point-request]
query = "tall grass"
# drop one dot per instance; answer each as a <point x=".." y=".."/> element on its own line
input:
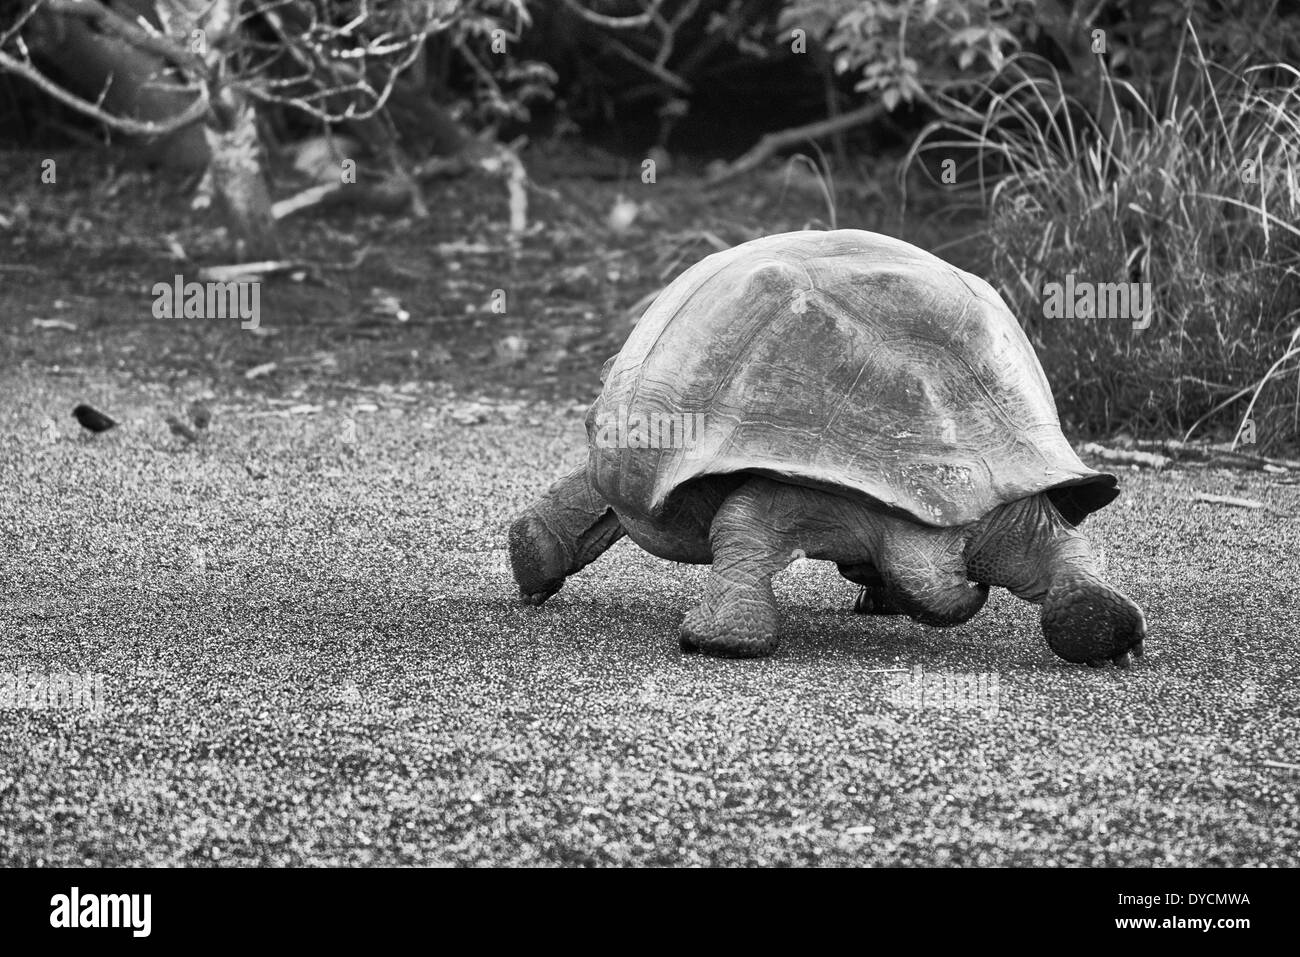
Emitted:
<point x="1198" y="194"/>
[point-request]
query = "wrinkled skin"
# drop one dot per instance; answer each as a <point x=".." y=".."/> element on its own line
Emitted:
<point x="750" y="528"/>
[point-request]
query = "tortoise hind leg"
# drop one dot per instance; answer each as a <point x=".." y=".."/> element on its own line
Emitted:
<point x="737" y="617"/>
<point x="873" y="598"/>
<point x="562" y="532"/>
<point x="925" y="575"/>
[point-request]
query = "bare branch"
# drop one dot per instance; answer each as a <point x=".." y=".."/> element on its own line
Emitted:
<point x="654" y="69"/>
<point x="21" y="22"/>
<point x="615" y="23"/>
<point x="773" y="142"/>
<point x="195" y="111"/>
<point x="108" y="20"/>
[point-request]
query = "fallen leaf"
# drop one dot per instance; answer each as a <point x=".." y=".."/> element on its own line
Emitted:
<point x="511" y="350"/>
<point x="245" y="271"/>
<point x="472" y="413"/>
<point x="384" y="305"/>
<point x="464" y="249"/>
<point x="622" y="214"/>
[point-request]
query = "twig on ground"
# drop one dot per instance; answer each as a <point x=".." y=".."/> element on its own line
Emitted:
<point x="774" y="142"/>
<point x="1127" y="456"/>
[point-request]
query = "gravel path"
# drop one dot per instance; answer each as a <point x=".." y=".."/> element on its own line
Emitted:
<point x="311" y="654"/>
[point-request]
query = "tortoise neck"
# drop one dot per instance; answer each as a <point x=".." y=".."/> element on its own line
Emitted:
<point x="1024" y="545"/>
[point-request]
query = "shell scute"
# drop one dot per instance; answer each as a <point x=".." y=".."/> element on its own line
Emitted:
<point x="844" y="360"/>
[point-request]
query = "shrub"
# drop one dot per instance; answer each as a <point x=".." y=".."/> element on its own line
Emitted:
<point x="1198" y="195"/>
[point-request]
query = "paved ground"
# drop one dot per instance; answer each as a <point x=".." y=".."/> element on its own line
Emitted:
<point x="311" y="655"/>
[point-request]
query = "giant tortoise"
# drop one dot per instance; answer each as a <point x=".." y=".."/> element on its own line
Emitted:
<point x="842" y="396"/>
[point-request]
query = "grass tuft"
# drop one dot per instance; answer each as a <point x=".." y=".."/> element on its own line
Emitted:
<point x="1194" y="189"/>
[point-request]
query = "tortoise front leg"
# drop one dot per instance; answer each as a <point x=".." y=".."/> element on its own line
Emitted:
<point x="562" y="532"/>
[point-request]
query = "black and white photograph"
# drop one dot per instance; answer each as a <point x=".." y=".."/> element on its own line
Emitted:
<point x="856" y="435"/>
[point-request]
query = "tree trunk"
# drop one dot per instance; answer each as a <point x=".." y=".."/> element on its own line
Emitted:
<point x="238" y="166"/>
<point x="239" y="181"/>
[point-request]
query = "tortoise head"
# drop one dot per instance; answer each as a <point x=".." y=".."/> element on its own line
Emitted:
<point x="1028" y="547"/>
<point x="1087" y="620"/>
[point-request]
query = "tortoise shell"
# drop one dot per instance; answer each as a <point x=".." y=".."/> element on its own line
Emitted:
<point x="844" y="360"/>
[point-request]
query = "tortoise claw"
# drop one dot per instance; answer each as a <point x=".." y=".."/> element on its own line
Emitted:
<point x="535" y="598"/>
<point x="873" y="600"/>
<point x="1124" y="660"/>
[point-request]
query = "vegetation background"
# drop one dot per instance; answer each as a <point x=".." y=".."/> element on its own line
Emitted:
<point x="577" y="154"/>
<point x="304" y="617"/>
